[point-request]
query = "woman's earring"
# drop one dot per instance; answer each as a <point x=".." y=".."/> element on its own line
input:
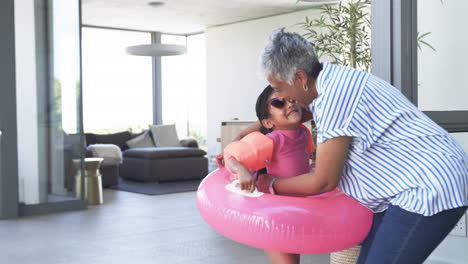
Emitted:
<point x="305" y="87"/>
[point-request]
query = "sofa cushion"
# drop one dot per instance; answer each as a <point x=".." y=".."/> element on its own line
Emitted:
<point x="142" y="141"/>
<point x="163" y="152"/>
<point x="118" y="139"/>
<point x="165" y="135"/>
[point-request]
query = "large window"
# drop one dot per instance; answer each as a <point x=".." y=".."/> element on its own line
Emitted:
<point x="442" y="74"/>
<point x="184" y="87"/>
<point x="174" y="84"/>
<point x="117" y="87"/>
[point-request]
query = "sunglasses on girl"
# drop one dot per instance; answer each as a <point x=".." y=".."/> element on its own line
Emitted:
<point x="279" y="103"/>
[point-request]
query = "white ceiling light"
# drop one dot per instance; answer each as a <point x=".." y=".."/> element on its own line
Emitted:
<point x="320" y="1"/>
<point x="156" y="50"/>
<point x="156" y="4"/>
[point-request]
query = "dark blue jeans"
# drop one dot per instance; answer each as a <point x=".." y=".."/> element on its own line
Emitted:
<point x="401" y="237"/>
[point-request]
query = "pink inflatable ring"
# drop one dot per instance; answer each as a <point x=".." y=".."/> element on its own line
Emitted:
<point x="310" y="225"/>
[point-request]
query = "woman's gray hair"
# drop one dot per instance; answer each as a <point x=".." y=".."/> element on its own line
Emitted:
<point x="286" y="52"/>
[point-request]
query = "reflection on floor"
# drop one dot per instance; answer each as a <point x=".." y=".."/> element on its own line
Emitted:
<point x="127" y="228"/>
<point x="52" y="198"/>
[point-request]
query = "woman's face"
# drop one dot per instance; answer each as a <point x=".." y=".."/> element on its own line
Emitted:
<point x="284" y="114"/>
<point x="293" y="92"/>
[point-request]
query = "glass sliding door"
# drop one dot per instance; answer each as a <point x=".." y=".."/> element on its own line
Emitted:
<point x="63" y="103"/>
<point x="49" y="102"/>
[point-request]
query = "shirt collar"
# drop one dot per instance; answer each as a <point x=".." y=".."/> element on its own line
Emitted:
<point x="320" y="82"/>
<point x="323" y="76"/>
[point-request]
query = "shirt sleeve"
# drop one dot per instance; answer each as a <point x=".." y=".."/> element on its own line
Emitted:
<point x="336" y="110"/>
<point x="276" y="140"/>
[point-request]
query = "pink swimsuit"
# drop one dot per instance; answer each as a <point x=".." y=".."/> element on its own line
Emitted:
<point x="290" y="157"/>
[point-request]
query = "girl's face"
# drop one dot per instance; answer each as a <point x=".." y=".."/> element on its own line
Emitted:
<point x="284" y="114"/>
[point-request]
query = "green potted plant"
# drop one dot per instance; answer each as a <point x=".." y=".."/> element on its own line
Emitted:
<point x="342" y="33"/>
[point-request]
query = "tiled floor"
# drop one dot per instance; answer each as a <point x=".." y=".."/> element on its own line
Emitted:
<point x="128" y="228"/>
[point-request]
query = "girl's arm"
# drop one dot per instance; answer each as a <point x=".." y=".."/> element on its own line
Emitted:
<point x="246" y="179"/>
<point x="331" y="157"/>
<point x="251" y="128"/>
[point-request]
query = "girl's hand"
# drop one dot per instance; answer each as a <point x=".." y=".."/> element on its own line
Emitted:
<point x="220" y="160"/>
<point x="246" y="180"/>
<point x="263" y="182"/>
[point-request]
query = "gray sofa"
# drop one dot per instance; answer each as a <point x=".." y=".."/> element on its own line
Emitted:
<point x="156" y="164"/>
<point x="164" y="164"/>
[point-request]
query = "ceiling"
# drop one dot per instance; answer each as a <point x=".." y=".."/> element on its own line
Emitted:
<point x="183" y="16"/>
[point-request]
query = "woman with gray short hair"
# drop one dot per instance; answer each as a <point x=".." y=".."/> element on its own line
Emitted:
<point x="376" y="146"/>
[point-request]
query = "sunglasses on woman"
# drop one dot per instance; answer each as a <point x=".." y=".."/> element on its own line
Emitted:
<point x="280" y="103"/>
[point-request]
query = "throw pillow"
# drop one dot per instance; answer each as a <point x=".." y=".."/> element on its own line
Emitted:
<point x="142" y="141"/>
<point x="165" y="135"/>
<point x="118" y="139"/>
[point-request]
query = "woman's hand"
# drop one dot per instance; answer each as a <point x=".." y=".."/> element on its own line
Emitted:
<point x="306" y="114"/>
<point x="263" y="182"/>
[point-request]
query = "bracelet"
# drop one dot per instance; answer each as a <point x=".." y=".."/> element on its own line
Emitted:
<point x="271" y="189"/>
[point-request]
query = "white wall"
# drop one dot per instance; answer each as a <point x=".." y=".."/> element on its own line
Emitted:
<point x="233" y="82"/>
<point x="26" y="102"/>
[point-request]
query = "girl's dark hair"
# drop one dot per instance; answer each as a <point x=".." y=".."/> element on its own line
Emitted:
<point x="263" y="112"/>
<point x="262" y="107"/>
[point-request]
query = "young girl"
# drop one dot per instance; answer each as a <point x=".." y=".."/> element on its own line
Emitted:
<point x="281" y="119"/>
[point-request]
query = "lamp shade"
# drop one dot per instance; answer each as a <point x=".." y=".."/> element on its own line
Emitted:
<point x="156" y="50"/>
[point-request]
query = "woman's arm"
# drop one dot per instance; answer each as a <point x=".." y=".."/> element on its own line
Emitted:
<point x="306" y="116"/>
<point x="331" y="157"/>
<point x="251" y="128"/>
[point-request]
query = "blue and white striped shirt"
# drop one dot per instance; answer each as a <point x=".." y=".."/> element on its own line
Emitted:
<point x="397" y="154"/>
